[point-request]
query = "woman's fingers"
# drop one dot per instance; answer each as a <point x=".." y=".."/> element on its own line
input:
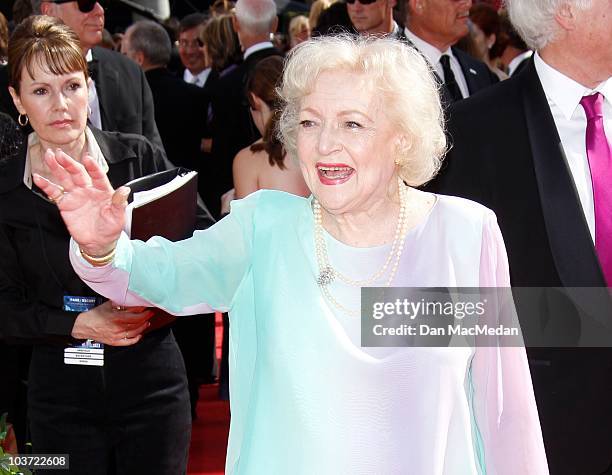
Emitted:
<point x="60" y="175"/>
<point x="120" y="197"/>
<point x="128" y="335"/>
<point x="77" y="172"/>
<point x="133" y="318"/>
<point x="98" y="178"/>
<point x="126" y="341"/>
<point x="53" y="191"/>
<point x="136" y="330"/>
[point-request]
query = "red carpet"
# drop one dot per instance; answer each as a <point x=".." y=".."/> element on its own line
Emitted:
<point x="210" y="429"/>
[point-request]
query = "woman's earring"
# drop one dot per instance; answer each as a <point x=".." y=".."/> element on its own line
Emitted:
<point x="23" y="122"/>
<point x="88" y="111"/>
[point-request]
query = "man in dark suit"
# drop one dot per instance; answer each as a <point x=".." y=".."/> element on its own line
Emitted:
<point x="120" y="98"/>
<point x="180" y="113"/>
<point x="180" y="107"/>
<point x="191" y="49"/>
<point x="232" y="125"/>
<point x="525" y="149"/>
<point x="433" y="27"/>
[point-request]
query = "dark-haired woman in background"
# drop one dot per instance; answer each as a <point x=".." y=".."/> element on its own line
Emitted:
<point x="485" y="30"/>
<point x="99" y="390"/>
<point x="263" y="165"/>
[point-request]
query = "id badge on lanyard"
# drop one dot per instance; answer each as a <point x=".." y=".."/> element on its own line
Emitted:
<point x="90" y="352"/>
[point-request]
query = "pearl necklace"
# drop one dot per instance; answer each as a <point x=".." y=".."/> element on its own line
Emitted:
<point x="327" y="274"/>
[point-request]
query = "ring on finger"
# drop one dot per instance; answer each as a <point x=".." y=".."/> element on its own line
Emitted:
<point x="126" y="336"/>
<point x="56" y="199"/>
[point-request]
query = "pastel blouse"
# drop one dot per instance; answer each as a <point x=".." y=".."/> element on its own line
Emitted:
<point x="306" y="398"/>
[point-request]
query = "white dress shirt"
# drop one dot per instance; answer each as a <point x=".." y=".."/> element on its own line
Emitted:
<point x="94" y="104"/>
<point x="564" y="95"/>
<point x="518" y="59"/>
<point x="196" y="79"/>
<point x="257" y="47"/>
<point x="433" y="55"/>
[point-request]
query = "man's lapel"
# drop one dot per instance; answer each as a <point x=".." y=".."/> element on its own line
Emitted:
<point x="570" y="241"/>
<point x="107" y="80"/>
<point x="472" y="77"/>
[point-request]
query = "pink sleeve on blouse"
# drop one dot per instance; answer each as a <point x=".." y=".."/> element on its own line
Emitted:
<point x="503" y="402"/>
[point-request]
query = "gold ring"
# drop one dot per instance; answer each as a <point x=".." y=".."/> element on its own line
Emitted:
<point x="59" y="197"/>
<point x="125" y="336"/>
<point x="119" y="308"/>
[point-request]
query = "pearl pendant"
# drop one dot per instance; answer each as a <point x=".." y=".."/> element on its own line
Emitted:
<point x="326" y="277"/>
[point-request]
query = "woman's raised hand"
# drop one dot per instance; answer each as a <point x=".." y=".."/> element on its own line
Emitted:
<point x="93" y="211"/>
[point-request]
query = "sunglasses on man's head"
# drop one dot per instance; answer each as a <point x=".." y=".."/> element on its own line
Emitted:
<point x="363" y="2"/>
<point x="85" y="6"/>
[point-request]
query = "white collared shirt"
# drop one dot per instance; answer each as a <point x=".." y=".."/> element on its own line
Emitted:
<point x="197" y="79"/>
<point x="564" y="95"/>
<point x="93" y="149"/>
<point x="94" y="104"/>
<point x="433" y="55"/>
<point x="257" y="47"/>
<point x="518" y="59"/>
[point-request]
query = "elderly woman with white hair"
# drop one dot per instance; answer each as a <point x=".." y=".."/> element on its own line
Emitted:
<point x="363" y="119"/>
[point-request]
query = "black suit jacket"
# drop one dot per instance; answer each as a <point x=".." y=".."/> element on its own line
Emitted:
<point x="126" y="104"/>
<point x="35" y="271"/>
<point x="180" y="115"/>
<point x="506" y="154"/>
<point x="232" y="127"/>
<point x="477" y="74"/>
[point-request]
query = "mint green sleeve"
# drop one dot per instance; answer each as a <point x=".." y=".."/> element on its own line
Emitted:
<point x="196" y="275"/>
<point x="207" y="268"/>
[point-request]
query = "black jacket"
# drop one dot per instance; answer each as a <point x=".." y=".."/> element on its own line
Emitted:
<point x="506" y="154"/>
<point x="35" y="272"/>
<point x="180" y="114"/>
<point x="477" y="74"/>
<point x="233" y="128"/>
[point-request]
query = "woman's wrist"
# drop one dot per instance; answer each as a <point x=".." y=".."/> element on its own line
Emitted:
<point x="99" y="259"/>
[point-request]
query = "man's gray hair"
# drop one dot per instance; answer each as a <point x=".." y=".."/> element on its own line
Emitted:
<point x="256" y="16"/>
<point x="151" y="40"/>
<point x="535" y="21"/>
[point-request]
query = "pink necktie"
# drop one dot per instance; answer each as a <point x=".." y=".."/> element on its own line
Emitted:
<point x="599" y="154"/>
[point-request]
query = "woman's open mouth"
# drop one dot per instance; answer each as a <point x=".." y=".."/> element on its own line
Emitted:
<point x="334" y="173"/>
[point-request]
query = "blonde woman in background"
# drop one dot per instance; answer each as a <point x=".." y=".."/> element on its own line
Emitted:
<point x="317" y="7"/>
<point x="299" y="30"/>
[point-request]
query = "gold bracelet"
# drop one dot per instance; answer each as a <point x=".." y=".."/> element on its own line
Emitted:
<point x="99" y="261"/>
